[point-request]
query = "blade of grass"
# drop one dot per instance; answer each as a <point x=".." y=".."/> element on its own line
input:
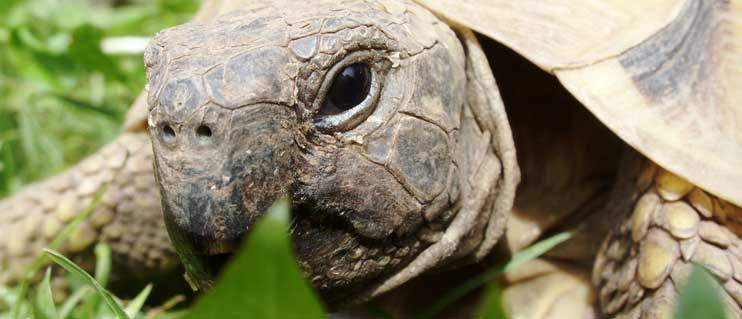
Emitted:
<point x="518" y="259"/>
<point x="172" y="302"/>
<point x="491" y="308"/>
<point x="133" y="308"/>
<point x="75" y="269"/>
<point x="102" y="273"/>
<point x="44" y="306"/>
<point x="536" y="250"/>
<point x="72" y="301"/>
<point x="102" y="263"/>
<point x="55" y="244"/>
<point x="163" y="309"/>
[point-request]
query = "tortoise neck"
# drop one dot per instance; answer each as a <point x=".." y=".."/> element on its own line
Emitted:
<point x="568" y="159"/>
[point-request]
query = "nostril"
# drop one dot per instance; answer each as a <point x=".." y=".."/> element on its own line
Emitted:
<point x="168" y="133"/>
<point x="203" y="131"/>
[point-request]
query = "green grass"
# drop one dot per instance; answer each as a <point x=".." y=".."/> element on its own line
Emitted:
<point x="61" y="96"/>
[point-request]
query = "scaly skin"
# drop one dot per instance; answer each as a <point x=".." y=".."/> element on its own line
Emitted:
<point x="128" y="216"/>
<point x="422" y="173"/>
<point x="648" y="256"/>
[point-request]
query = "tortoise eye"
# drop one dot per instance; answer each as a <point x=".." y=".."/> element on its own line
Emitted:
<point x="349" y="98"/>
<point x="349" y="88"/>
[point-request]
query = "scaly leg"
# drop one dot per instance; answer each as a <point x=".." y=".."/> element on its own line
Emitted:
<point x="127" y="217"/>
<point x="648" y="256"/>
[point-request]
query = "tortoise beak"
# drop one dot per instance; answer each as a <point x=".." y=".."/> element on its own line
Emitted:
<point x="207" y="222"/>
<point x="213" y="193"/>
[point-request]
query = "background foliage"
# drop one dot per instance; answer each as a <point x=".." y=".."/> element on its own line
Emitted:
<point x="61" y="96"/>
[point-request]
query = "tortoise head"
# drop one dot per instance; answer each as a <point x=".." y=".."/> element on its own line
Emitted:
<point x="356" y="111"/>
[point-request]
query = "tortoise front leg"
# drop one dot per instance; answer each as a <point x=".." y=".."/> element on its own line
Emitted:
<point x="127" y="217"/>
<point x="648" y="256"/>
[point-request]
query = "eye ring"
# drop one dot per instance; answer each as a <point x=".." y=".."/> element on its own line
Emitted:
<point x="349" y="88"/>
<point x="347" y="119"/>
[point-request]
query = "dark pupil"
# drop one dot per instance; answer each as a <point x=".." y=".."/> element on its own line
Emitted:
<point x="350" y="87"/>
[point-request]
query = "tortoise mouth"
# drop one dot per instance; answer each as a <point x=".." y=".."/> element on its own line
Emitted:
<point x="214" y="257"/>
<point x="209" y="245"/>
<point x="322" y="242"/>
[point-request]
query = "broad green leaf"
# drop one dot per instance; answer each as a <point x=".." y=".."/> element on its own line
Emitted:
<point x="44" y="306"/>
<point x="133" y="308"/>
<point x="263" y="281"/>
<point x="533" y="251"/>
<point x="75" y="269"/>
<point x="700" y="297"/>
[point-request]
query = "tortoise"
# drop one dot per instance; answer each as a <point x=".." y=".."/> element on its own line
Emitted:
<point x="409" y="169"/>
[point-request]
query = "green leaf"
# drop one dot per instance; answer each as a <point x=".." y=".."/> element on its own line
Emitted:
<point x="700" y="297"/>
<point x="75" y="269"/>
<point x="133" y="308"/>
<point x="44" y="306"/>
<point x="263" y="281"/>
<point x="533" y="251"/>
<point x="491" y="308"/>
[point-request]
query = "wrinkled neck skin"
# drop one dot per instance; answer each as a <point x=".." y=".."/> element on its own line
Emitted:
<point x="575" y="176"/>
<point x="571" y="164"/>
<point x="418" y="176"/>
